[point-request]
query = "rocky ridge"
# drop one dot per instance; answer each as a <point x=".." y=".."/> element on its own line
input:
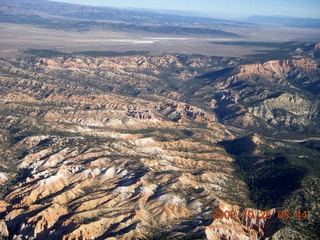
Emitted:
<point x="285" y="94"/>
<point x="115" y="170"/>
<point x="107" y="147"/>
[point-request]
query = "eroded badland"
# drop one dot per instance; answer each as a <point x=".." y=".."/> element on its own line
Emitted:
<point x="135" y="145"/>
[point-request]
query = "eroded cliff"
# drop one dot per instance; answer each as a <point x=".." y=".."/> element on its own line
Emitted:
<point x="146" y="146"/>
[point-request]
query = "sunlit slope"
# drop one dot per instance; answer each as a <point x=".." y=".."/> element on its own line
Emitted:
<point x="148" y="146"/>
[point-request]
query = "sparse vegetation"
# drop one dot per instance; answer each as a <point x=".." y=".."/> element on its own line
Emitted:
<point x="111" y="53"/>
<point x="88" y="220"/>
<point x="270" y="178"/>
<point x="45" y="53"/>
<point x="97" y="109"/>
<point x="157" y="232"/>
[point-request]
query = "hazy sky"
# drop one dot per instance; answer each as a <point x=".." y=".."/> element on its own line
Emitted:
<point x="221" y="8"/>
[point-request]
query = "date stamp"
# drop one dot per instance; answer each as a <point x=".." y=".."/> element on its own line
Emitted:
<point x="259" y="214"/>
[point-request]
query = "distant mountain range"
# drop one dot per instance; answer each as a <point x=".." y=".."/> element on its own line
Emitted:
<point x="285" y="21"/>
<point x="41" y="7"/>
<point x="137" y="15"/>
<point x="173" y="12"/>
<point x="58" y="15"/>
<point x="122" y="124"/>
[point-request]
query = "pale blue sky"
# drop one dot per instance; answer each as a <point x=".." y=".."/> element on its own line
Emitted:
<point x="220" y="8"/>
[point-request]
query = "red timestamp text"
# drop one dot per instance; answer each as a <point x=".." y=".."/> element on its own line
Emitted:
<point x="250" y="214"/>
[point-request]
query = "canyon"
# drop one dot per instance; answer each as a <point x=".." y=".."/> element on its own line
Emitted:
<point x="131" y="124"/>
<point x="108" y="147"/>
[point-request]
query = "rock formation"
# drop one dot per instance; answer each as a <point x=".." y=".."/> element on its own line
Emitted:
<point x="116" y="147"/>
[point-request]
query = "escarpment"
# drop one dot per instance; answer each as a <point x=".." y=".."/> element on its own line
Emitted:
<point x="134" y="147"/>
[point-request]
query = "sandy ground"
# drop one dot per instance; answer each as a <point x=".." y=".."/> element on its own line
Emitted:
<point x="16" y="37"/>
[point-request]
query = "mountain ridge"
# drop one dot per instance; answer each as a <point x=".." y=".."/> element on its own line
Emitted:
<point x="285" y="21"/>
<point x="125" y="157"/>
<point x="111" y="137"/>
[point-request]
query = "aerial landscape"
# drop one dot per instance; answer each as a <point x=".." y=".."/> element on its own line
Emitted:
<point x="173" y="120"/>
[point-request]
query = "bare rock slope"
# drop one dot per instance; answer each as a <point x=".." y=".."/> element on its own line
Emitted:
<point x="108" y="148"/>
